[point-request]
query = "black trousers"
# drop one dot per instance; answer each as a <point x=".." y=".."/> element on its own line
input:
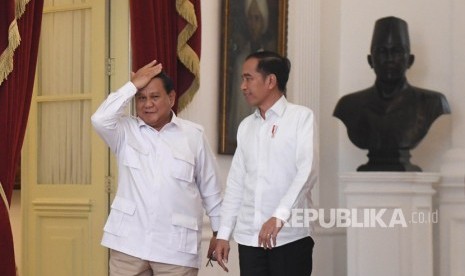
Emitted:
<point x="292" y="259"/>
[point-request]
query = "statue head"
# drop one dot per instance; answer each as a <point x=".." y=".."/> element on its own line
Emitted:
<point x="390" y="49"/>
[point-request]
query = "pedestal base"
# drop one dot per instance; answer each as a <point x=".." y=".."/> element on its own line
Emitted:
<point x="398" y="237"/>
<point x="389" y="161"/>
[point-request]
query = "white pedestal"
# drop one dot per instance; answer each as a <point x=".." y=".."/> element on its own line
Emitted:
<point x="400" y="242"/>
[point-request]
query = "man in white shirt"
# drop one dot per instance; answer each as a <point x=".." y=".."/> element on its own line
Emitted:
<point x="166" y="172"/>
<point x="273" y="171"/>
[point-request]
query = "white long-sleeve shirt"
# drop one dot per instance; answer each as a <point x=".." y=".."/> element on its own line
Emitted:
<point x="273" y="171"/>
<point x="164" y="178"/>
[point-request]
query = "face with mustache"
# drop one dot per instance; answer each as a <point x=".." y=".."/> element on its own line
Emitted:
<point x="154" y="103"/>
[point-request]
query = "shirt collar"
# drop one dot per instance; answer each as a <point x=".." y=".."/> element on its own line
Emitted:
<point x="277" y="108"/>
<point x="175" y="121"/>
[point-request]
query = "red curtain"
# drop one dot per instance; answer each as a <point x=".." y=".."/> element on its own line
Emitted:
<point x="9" y="37"/>
<point x="168" y="31"/>
<point x="15" y="99"/>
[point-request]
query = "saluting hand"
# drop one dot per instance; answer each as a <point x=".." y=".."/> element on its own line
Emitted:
<point x="143" y="76"/>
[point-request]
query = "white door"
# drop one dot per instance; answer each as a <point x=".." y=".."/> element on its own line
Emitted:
<point x="65" y="164"/>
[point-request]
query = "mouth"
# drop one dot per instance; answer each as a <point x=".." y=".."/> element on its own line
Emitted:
<point x="248" y="96"/>
<point x="390" y="66"/>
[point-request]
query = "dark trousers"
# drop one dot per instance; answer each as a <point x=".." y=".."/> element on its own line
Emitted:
<point x="292" y="259"/>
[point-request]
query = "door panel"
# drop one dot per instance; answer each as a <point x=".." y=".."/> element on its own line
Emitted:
<point x="65" y="202"/>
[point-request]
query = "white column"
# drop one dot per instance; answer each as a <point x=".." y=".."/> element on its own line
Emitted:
<point x="303" y="50"/>
<point x="451" y="198"/>
<point x="451" y="227"/>
<point x="400" y="241"/>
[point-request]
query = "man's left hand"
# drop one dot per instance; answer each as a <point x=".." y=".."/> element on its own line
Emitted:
<point x="269" y="232"/>
<point x="211" y="248"/>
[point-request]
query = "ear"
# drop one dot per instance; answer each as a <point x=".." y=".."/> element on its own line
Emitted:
<point x="370" y="61"/>
<point x="411" y="59"/>
<point x="172" y="97"/>
<point x="272" y="81"/>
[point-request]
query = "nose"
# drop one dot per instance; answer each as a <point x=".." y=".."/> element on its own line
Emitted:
<point x="243" y="85"/>
<point x="148" y="103"/>
<point x="390" y="55"/>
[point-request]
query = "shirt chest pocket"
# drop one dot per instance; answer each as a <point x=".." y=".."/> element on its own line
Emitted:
<point x="132" y="156"/>
<point x="284" y="139"/>
<point x="134" y="160"/>
<point x="182" y="166"/>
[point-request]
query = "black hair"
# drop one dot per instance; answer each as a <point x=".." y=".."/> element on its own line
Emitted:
<point x="168" y="84"/>
<point x="273" y="63"/>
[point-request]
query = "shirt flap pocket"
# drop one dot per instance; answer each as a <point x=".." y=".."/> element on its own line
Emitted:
<point x="132" y="162"/>
<point x="184" y="221"/>
<point x="186" y="157"/>
<point x="131" y="157"/>
<point x="138" y="147"/>
<point x="124" y="205"/>
<point x="183" y="166"/>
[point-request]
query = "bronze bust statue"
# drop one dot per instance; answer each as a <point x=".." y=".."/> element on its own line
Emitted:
<point x="391" y="117"/>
